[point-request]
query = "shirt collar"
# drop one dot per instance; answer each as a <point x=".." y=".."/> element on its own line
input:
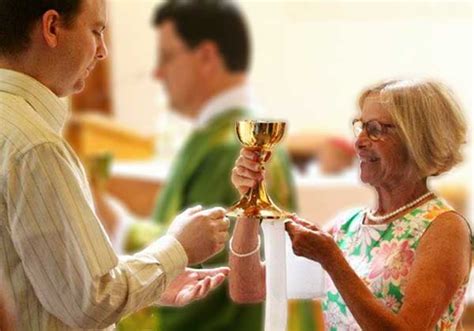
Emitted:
<point x="47" y="104"/>
<point x="240" y="96"/>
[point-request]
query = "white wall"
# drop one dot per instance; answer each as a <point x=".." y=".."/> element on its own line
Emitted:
<point x="133" y="53"/>
<point x="311" y="58"/>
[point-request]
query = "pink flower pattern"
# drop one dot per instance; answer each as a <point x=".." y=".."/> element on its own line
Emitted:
<point x="399" y="229"/>
<point x="392" y="259"/>
<point x="383" y="258"/>
<point x="391" y="302"/>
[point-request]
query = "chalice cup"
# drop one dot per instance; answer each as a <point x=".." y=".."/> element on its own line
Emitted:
<point x="259" y="136"/>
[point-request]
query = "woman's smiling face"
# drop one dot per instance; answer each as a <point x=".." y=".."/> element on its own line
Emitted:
<point x="384" y="162"/>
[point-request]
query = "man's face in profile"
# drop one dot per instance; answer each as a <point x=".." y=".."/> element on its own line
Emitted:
<point x="177" y="68"/>
<point x="81" y="46"/>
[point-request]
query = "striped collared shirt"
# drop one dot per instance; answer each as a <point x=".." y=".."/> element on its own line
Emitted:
<point x="59" y="266"/>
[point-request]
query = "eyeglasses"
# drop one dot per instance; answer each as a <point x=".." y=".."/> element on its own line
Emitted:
<point x="374" y="129"/>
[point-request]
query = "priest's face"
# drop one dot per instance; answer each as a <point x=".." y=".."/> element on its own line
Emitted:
<point x="178" y="69"/>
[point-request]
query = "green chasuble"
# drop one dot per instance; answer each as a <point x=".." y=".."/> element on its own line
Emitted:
<point x="202" y="175"/>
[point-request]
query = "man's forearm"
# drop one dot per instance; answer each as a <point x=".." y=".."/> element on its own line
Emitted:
<point x="90" y="300"/>
<point x="139" y="280"/>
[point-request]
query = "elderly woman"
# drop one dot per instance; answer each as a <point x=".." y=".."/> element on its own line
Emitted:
<point x="403" y="263"/>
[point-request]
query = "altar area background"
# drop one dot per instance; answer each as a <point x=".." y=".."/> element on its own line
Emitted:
<point x="310" y="61"/>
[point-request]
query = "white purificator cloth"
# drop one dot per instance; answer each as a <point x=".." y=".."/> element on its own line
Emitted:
<point x="287" y="276"/>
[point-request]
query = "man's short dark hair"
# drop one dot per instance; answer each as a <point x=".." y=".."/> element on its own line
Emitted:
<point x="219" y="21"/>
<point x="17" y="18"/>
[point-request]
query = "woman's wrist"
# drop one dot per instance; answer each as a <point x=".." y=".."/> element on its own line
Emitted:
<point x="335" y="258"/>
<point x="247" y="254"/>
<point x="245" y="235"/>
<point x="249" y="226"/>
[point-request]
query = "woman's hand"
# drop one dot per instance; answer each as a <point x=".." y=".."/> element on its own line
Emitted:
<point x="310" y="241"/>
<point x="247" y="171"/>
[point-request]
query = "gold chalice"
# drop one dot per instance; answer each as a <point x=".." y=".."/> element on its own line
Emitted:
<point x="261" y="136"/>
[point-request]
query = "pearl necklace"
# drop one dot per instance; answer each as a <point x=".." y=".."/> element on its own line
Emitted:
<point x="379" y="219"/>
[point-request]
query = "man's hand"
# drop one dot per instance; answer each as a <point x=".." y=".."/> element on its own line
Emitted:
<point x="192" y="284"/>
<point x="202" y="233"/>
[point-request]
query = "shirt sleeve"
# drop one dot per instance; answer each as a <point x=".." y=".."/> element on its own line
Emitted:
<point x="65" y="252"/>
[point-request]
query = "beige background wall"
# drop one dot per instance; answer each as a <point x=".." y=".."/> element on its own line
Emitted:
<point x="311" y="59"/>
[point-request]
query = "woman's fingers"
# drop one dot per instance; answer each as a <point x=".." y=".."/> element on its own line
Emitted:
<point x="248" y="171"/>
<point x="249" y="154"/>
<point x="243" y="184"/>
<point x="249" y="164"/>
<point x="291" y="229"/>
<point x="241" y="181"/>
<point x="297" y="231"/>
<point x="256" y="154"/>
<point x="305" y="223"/>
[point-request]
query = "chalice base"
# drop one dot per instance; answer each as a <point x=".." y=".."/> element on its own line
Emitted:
<point x="261" y="210"/>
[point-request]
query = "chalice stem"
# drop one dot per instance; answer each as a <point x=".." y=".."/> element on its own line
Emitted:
<point x="258" y="194"/>
<point x="259" y="136"/>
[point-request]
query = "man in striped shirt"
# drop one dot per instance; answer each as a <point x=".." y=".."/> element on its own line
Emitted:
<point x="57" y="260"/>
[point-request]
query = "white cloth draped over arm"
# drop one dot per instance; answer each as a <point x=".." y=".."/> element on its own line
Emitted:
<point x="305" y="278"/>
<point x="64" y="250"/>
<point x="276" y="307"/>
<point x="287" y="276"/>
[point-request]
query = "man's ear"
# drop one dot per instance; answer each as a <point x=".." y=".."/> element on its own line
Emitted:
<point x="50" y="24"/>
<point x="209" y="55"/>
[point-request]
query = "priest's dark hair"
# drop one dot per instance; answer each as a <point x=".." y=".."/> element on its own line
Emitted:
<point x="218" y="21"/>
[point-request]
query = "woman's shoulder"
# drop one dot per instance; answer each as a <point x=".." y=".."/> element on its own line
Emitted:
<point x="446" y="222"/>
<point x="451" y="222"/>
<point x="428" y="211"/>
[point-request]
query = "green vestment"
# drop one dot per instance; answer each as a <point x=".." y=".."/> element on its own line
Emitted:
<point x="202" y="175"/>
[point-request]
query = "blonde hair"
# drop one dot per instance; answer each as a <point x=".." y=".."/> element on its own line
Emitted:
<point x="429" y="120"/>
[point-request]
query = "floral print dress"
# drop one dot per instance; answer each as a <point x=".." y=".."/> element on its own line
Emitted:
<point x="382" y="255"/>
